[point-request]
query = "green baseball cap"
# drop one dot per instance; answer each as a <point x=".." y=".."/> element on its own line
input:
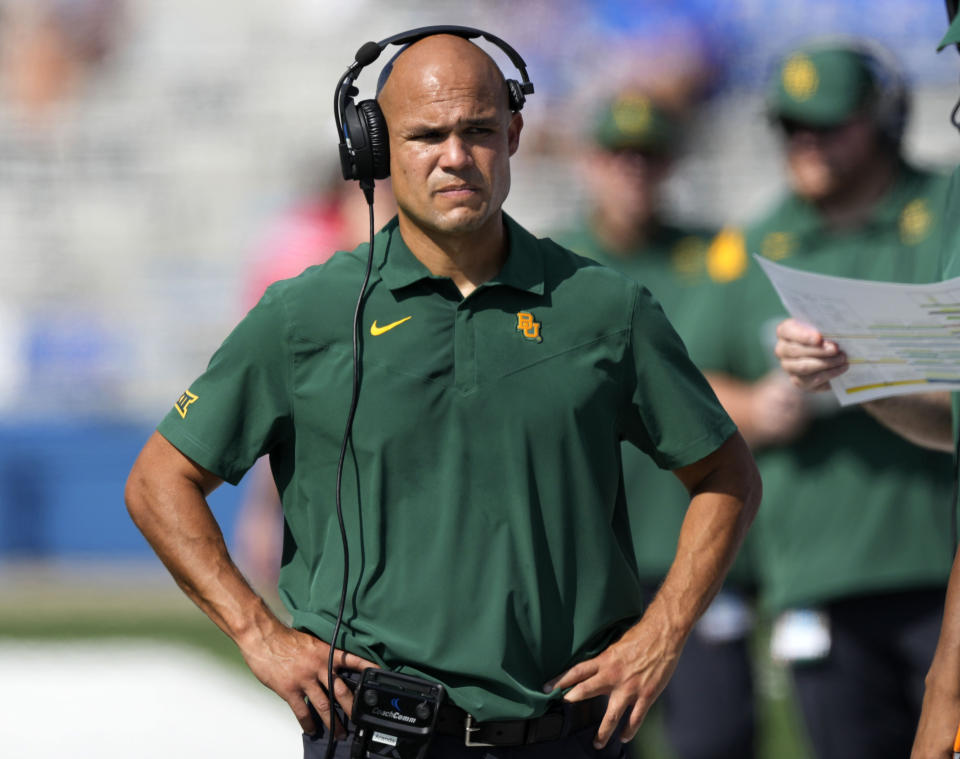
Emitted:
<point x="821" y="85"/>
<point x="633" y="121"/>
<point x="952" y="37"/>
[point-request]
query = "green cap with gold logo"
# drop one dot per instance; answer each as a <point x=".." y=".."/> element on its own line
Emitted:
<point x="632" y="121"/>
<point x="821" y="85"/>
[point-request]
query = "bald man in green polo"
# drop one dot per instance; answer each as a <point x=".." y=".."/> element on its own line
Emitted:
<point x="854" y="541"/>
<point x="482" y="498"/>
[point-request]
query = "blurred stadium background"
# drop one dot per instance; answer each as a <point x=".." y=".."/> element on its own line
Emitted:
<point x="144" y="150"/>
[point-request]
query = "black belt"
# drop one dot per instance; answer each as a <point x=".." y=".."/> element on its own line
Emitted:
<point x="558" y="722"/>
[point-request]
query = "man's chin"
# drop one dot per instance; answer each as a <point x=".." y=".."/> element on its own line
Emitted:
<point x="462" y="221"/>
<point x="813" y="186"/>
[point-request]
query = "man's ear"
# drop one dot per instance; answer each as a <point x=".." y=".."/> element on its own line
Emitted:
<point x="513" y="132"/>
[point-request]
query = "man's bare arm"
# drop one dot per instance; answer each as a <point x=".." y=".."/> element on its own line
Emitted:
<point x="941" y="699"/>
<point x="922" y="418"/>
<point x="769" y="411"/>
<point x="725" y="493"/>
<point x="166" y="497"/>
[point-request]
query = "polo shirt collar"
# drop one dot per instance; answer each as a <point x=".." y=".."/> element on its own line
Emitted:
<point x="523" y="269"/>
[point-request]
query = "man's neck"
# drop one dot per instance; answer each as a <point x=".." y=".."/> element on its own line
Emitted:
<point x="853" y="206"/>
<point x="620" y="235"/>
<point x="469" y="259"/>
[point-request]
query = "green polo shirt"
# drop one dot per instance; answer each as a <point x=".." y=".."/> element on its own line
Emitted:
<point x="671" y="263"/>
<point x="848" y="507"/>
<point x="482" y="494"/>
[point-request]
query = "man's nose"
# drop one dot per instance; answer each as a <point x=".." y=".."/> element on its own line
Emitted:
<point x="455" y="153"/>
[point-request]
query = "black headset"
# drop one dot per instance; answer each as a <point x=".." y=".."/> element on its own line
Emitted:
<point x="364" y="143"/>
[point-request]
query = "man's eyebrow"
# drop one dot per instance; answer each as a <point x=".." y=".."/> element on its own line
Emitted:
<point x="482" y="121"/>
<point x="479" y="121"/>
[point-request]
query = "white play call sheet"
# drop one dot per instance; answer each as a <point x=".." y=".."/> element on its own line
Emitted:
<point x="899" y="338"/>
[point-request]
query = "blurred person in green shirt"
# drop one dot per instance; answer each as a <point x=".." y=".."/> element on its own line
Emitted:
<point x="928" y="419"/>
<point x="634" y="142"/>
<point x="853" y="544"/>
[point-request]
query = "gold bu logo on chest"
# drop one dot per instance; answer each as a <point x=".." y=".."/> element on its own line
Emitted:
<point x="528" y="326"/>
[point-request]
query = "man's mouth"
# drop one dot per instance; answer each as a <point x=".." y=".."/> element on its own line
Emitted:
<point x="458" y="190"/>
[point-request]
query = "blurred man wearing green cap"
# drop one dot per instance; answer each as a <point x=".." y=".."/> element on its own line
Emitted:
<point x="925" y="418"/>
<point x="857" y="606"/>
<point x="708" y="707"/>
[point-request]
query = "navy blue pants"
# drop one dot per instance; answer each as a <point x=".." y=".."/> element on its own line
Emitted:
<point x="578" y="745"/>
<point x="863" y="700"/>
<point x="708" y="705"/>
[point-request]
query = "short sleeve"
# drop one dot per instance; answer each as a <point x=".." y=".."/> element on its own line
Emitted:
<point x="674" y="415"/>
<point x="239" y="408"/>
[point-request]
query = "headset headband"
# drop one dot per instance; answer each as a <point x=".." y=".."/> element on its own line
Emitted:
<point x="370" y="51"/>
<point x="467" y="32"/>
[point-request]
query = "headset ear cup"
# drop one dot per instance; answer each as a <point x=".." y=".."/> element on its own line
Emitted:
<point x="378" y="138"/>
<point x="351" y="159"/>
<point x="515" y="95"/>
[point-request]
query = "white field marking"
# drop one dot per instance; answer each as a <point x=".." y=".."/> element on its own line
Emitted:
<point x="116" y="698"/>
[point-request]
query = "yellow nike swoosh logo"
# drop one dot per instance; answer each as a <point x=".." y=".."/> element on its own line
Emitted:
<point x="375" y="330"/>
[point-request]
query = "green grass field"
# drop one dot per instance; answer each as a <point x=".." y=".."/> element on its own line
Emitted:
<point x="130" y="602"/>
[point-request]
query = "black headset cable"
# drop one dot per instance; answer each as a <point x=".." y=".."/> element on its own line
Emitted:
<point x="332" y="742"/>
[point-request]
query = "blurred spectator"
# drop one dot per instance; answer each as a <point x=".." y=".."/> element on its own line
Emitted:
<point x="854" y="540"/>
<point x="13" y="364"/>
<point x="673" y="51"/>
<point x="48" y="48"/>
<point x="708" y="704"/>
<point x="332" y="216"/>
<point x="668" y="50"/>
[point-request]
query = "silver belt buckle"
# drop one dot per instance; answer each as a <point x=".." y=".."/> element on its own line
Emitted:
<point x="470" y="727"/>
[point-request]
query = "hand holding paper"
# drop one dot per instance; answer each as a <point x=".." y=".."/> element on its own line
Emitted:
<point x="869" y="339"/>
<point x="809" y="359"/>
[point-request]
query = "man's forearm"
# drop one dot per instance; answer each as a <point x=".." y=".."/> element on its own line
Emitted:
<point x="713" y="530"/>
<point x="725" y="492"/>
<point x="169" y="506"/>
<point x="922" y="418"/>
<point x="166" y="497"/>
